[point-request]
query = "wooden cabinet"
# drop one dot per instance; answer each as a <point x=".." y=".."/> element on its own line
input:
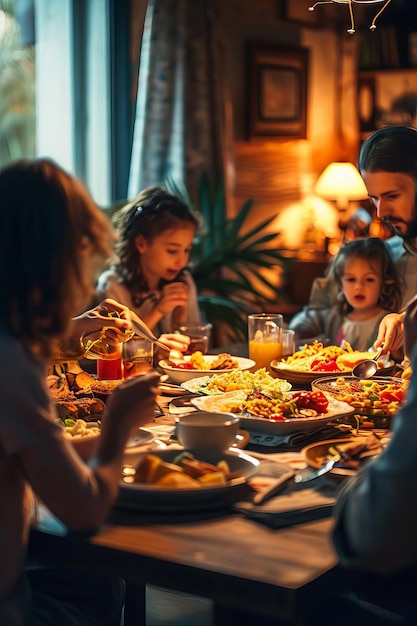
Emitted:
<point x="300" y="275"/>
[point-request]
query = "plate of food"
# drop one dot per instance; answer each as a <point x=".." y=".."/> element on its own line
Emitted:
<point x="354" y="452"/>
<point x="374" y="400"/>
<point x="235" y="380"/>
<point x="316" y="360"/>
<point x="84" y="435"/>
<point x="175" y="481"/>
<point x="287" y="413"/>
<point x="197" y="364"/>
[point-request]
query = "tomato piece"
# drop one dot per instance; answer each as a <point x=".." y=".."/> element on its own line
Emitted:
<point x="277" y="417"/>
<point x="389" y="396"/>
<point x="183" y="366"/>
<point x="315" y="400"/>
<point x="322" y="366"/>
<point x="399" y="394"/>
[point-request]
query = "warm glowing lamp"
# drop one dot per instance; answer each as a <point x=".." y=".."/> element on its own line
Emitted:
<point x="342" y="183"/>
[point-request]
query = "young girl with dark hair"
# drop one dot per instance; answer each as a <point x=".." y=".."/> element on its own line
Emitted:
<point x="368" y="289"/>
<point x="156" y="232"/>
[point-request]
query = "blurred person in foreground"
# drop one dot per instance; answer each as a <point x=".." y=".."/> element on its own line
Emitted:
<point x="388" y="165"/>
<point x="54" y="240"/>
<point x="375" y="527"/>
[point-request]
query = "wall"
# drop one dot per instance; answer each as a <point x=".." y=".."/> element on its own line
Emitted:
<point x="276" y="172"/>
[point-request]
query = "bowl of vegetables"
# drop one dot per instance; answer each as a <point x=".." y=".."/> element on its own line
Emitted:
<point x="376" y="400"/>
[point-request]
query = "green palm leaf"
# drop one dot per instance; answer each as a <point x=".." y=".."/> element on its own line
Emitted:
<point x="226" y="264"/>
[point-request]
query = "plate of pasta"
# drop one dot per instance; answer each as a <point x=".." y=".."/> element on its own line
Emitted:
<point x="287" y="413"/>
<point x="318" y="361"/>
<point x="222" y="382"/>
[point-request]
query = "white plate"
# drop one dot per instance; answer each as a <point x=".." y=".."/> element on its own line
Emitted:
<point x="150" y="499"/>
<point x="140" y="438"/>
<point x="314" y="453"/>
<point x="180" y="375"/>
<point x="198" y="385"/>
<point x="218" y="404"/>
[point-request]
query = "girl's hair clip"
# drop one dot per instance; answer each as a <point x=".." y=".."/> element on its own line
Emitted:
<point x="139" y="210"/>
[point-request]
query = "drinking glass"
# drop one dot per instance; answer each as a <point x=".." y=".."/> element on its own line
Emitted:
<point x="137" y="356"/>
<point x="199" y="335"/>
<point x="264" y="334"/>
<point x="288" y="342"/>
<point x="110" y="369"/>
<point x="99" y="345"/>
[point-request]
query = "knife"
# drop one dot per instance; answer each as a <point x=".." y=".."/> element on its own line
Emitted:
<point x="291" y="477"/>
<point x="302" y="478"/>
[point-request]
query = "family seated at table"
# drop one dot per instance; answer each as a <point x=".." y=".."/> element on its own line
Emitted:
<point x="55" y="240"/>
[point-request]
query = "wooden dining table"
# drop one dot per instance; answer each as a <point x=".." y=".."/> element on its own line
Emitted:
<point x="223" y="556"/>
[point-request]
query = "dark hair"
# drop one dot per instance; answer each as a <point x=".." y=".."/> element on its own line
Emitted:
<point x="390" y="149"/>
<point x="375" y="252"/>
<point x="153" y="211"/>
<point x="47" y="219"/>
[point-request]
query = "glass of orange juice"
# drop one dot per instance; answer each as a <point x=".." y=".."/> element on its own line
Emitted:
<point x="264" y="334"/>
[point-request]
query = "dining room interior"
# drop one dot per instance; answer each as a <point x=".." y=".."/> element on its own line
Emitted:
<point x="259" y="97"/>
<point x="254" y="111"/>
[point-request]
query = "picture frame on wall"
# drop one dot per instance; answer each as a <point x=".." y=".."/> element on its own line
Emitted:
<point x="277" y="90"/>
<point x="386" y="98"/>
<point x="297" y="11"/>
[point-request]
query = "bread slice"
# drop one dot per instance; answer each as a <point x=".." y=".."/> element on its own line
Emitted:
<point x="348" y="361"/>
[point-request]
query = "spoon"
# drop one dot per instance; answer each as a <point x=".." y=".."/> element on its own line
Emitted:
<point x="143" y="330"/>
<point x="366" y="369"/>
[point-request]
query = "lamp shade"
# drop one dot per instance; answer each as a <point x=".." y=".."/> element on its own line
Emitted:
<point x="342" y="183"/>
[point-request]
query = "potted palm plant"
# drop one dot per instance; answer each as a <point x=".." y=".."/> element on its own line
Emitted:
<point x="228" y="261"/>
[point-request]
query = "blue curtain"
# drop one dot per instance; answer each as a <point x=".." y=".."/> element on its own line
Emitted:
<point x="183" y="123"/>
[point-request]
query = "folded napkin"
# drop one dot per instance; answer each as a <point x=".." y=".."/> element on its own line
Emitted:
<point x="298" y="504"/>
<point x="302" y="438"/>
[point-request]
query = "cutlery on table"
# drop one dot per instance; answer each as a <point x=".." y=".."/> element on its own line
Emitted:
<point x="291" y="476"/>
<point x="327" y="467"/>
<point x="367" y="368"/>
<point x="142" y="329"/>
<point x="274" y="488"/>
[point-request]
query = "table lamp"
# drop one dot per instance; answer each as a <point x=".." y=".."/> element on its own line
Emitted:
<point x="341" y="183"/>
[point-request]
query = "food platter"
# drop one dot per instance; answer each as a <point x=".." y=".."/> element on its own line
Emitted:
<point x="306" y="378"/>
<point x="144" y="498"/>
<point x="219" y="403"/>
<point x="366" y="396"/>
<point x="199" y="385"/>
<point x="181" y="375"/>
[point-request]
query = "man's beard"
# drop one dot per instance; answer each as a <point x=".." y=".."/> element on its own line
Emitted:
<point x="411" y="230"/>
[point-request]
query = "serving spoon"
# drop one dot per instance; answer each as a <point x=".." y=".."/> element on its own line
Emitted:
<point x="142" y="329"/>
<point x="367" y="368"/>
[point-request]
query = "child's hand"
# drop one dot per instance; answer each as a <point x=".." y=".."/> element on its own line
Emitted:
<point x="173" y="295"/>
<point x="174" y="341"/>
